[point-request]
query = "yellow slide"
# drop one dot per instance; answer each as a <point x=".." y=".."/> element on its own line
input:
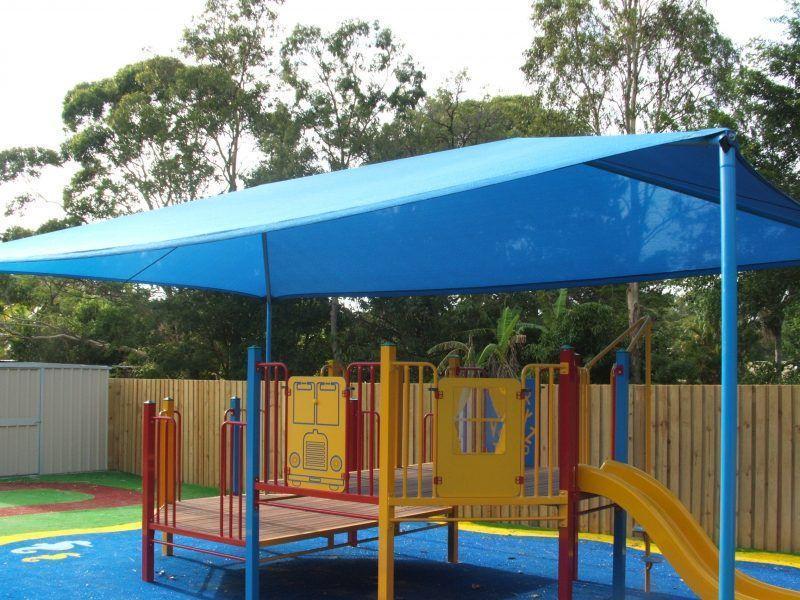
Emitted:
<point x="671" y="526"/>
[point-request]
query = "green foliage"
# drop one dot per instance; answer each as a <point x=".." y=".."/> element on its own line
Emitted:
<point x="233" y="38"/>
<point x="629" y="66"/>
<point x="345" y="84"/>
<point x="446" y="119"/>
<point x="767" y="105"/>
<point x="26" y="162"/>
<point x="138" y="138"/>
<point x="24" y="165"/>
<point x="169" y="129"/>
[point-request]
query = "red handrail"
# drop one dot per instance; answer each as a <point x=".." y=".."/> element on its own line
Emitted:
<point x="237" y="436"/>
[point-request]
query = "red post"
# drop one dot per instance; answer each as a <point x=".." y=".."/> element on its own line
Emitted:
<point x="148" y="477"/>
<point x="568" y="418"/>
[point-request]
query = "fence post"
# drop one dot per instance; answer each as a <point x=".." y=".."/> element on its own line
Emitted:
<point x="148" y="474"/>
<point x="568" y="414"/>
<point x="254" y="356"/>
<point x="622" y="372"/>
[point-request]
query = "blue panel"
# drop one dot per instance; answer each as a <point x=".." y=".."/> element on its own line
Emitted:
<point x="121" y="267"/>
<point x="694" y="169"/>
<point x="578" y="225"/>
<point x="228" y="265"/>
<point x="516" y="214"/>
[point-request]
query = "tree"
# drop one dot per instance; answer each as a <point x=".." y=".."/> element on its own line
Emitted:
<point x="447" y="119"/>
<point x="766" y="112"/>
<point x="234" y="39"/>
<point x="20" y="164"/>
<point x="629" y="66"/>
<point x="500" y="357"/>
<point x="137" y="140"/>
<point x="766" y="98"/>
<point x="63" y="320"/>
<point x="346" y="84"/>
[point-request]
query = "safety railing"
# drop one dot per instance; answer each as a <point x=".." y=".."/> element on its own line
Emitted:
<point x="274" y="376"/>
<point x="471" y="439"/>
<point x="638" y="334"/>
<point x="541" y="427"/>
<point x="363" y="427"/>
<point x="584" y="424"/>
<point x="231" y="461"/>
<point x="166" y="481"/>
<point x="417" y="393"/>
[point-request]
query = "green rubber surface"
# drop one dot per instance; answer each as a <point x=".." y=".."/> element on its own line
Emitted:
<point x="81" y="519"/>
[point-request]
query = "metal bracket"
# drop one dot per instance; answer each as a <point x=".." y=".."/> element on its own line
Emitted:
<point x="563" y="368"/>
<point x="519" y="480"/>
<point x="437" y="480"/>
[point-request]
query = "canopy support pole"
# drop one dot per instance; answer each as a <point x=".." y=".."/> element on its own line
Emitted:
<point x="252" y="469"/>
<point x="268" y="332"/>
<point x="728" y="419"/>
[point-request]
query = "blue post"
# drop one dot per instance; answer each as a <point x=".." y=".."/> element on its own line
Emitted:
<point x="236" y="415"/>
<point x="254" y="356"/>
<point x="622" y="376"/>
<point x="728" y="424"/>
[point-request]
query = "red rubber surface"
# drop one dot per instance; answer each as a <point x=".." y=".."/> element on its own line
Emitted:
<point x="103" y="497"/>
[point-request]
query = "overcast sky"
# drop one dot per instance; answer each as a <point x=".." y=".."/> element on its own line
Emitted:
<point x="47" y="46"/>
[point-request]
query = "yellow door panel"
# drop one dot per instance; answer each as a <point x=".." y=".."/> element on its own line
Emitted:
<point x="329" y="405"/>
<point x="315" y="437"/>
<point x="302" y="394"/>
<point x="479" y="441"/>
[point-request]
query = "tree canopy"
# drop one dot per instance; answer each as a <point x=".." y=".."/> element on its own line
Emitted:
<point x="241" y="104"/>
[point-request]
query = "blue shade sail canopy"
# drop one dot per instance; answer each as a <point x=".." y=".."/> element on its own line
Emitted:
<point x="518" y="214"/>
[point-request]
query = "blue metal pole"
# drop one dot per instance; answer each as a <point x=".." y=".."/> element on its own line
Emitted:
<point x="236" y="414"/>
<point x="268" y="333"/>
<point x="622" y="376"/>
<point x="254" y="356"/>
<point x="728" y="424"/>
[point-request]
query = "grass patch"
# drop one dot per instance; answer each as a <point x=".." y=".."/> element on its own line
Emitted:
<point x="37" y="496"/>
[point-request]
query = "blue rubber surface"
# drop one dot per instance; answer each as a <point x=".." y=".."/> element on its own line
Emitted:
<point x="493" y="566"/>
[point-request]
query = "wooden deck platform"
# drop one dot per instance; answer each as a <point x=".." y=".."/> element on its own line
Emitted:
<point x="534" y="486"/>
<point x="288" y="518"/>
<point x="281" y="518"/>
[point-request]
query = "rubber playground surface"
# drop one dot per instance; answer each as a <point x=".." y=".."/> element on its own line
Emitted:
<point x="105" y="563"/>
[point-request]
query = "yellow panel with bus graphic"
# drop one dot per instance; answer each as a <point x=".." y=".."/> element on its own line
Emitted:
<point x="315" y="436"/>
<point x="479" y="442"/>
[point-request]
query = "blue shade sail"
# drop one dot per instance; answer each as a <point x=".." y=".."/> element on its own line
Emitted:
<point x="518" y="214"/>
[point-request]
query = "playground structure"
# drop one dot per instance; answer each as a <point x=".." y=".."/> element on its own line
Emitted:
<point x="641" y="207"/>
<point x="462" y="439"/>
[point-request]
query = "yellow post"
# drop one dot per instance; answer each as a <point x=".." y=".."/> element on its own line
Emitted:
<point x="453" y="364"/>
<point x="166" y="467"/>
<point x="386" y="460"/>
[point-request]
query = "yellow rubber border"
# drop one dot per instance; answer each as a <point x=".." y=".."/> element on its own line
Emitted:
<point x="38" y="535"/>
<point x="768" y="558"/>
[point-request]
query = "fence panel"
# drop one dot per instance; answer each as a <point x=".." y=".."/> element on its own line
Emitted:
<point x="684" y="424"/>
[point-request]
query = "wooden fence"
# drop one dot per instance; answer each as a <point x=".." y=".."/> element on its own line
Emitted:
<point x="684" y="428"/>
